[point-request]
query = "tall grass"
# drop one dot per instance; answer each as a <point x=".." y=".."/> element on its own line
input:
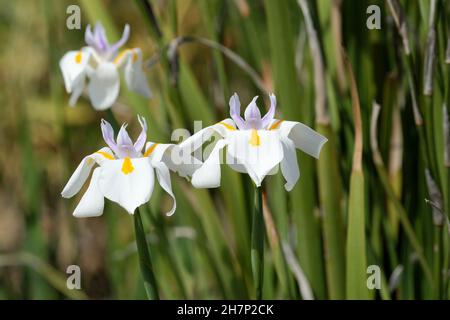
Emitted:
<point x="378" y="196"/>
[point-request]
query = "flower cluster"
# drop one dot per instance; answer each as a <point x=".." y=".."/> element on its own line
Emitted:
<point x="125" y="171"/>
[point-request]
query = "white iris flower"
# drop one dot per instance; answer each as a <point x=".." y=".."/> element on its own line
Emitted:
<point x="99" y="62"/>
<point x="124" y="172"/>
<point x="256" y="146"/>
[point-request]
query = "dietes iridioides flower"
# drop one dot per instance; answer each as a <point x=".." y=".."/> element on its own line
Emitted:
<point x="124" y="172"/>
<point x="255" y="145"/>
<point x="99" y="63"/>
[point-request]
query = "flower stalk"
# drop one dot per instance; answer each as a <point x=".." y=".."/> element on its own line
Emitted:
<point x="257" y="251"/>
<point x="145" y="262"/>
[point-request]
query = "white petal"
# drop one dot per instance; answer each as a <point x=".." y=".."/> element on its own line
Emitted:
<point x="82" y="172"/>
<point x="304" y="138"/>
<point x="135" y="76"/>
<point x="73" y="67"/>
<point x="208" y="175"/>
<point x="163" y="175"/>
<point x="174" y="158"/>
<point x="104" y="85"/>
<point x="259" y="159"/>
<point x="129" y="188"/>
<point x="289" y="165"/>
<point x="92" y="202"/>
<point x="77" y="90"/>
<point x="235" y="164"/>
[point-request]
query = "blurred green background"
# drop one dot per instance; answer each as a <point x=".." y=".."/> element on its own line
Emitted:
<point x="344" y="214"/>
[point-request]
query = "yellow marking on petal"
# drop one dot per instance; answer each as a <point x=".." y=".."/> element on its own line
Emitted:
<point x="78" y="57"/>
<point x="276" y="125"/>
<point x="106" y="155"/>
<point x="127" y="166"/>
<point x="135" y="57"/>
<point x="255" y="140"/>
<point x="150" y="150"/>
<point x="226" y="125"/>
<point x="120" y="56"/>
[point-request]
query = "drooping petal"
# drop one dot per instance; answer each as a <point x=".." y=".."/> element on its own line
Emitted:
<point x="163" y="175"/>
<point x="92" y="202"/>
<point x="104" y="86"/>
<point x="268" y="117"/>
<point x="235" y="164"/>
<point x="304" y="138"/>
<point x="289" y="164"/>
<point x="175" y="158"/>
<point x="196" y="141"/>
<point x="82" y="172"/>
<point x="125" y="35"/>
<point x="134" y="74"/>
<point x="140" y="141"/>
<point x="235" y="111"/>
<point x="73" y="67"/>
<point x="258" y="150"/>
<point x="208" y="175"/>
<point x="128" y="182"/>
<point x="77" y="90"/>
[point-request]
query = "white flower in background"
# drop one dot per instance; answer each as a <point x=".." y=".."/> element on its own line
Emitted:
<point x="256" y="145"/>
<point x="99" y="62"/>
<point x="125" y="172"/>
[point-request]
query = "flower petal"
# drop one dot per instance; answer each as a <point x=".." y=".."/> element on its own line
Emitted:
<point x="104" y="86"/>
<point x="163" y="175"/>
<point x="92" y="202"/>
<point x="235" y="111"/>
<point x="304" y="138"/>
<point x="82" y="172"/>
<point x="135" y="76"/>
<point x="268" y="117"/>
<point x="140" y="141"/>
<point x="289" y="165"/>
<point x="128" y="182"/>
<point x="108" y="136"/>
<point x="125" y="35"/>
<point x="77" y="90"/>
<point x="73" y="67"/>
<point x="258" y="150"/>
<point x="208" y="175"/>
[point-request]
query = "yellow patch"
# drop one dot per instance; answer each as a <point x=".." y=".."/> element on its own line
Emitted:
<point x="120" y="56"/>
<point x="127" y="166"/>
<point x="150" y="150"/>
<point x="78" y="57"/>
<point x="255" y="140"/>
<point x="135" y="57"/>
<point x="106" y="155"/>
<point x="276" y="125"/>
<point x="226" y="125"/>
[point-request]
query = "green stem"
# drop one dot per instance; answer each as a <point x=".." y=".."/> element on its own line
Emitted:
<point x="257" y="251"/>
<point x="145" y="261"/>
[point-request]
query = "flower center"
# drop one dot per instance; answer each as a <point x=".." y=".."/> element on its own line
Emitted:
<point x="255" y="140"/>
<point x="127" y="166"/>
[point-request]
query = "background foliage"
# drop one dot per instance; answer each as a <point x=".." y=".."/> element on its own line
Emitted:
<point x="363" y="203"/>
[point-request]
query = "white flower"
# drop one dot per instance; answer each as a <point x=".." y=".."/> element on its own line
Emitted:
<point x="256" y="146"/>
<point x="99" y="62"/>
<point x="125" y="173"/>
